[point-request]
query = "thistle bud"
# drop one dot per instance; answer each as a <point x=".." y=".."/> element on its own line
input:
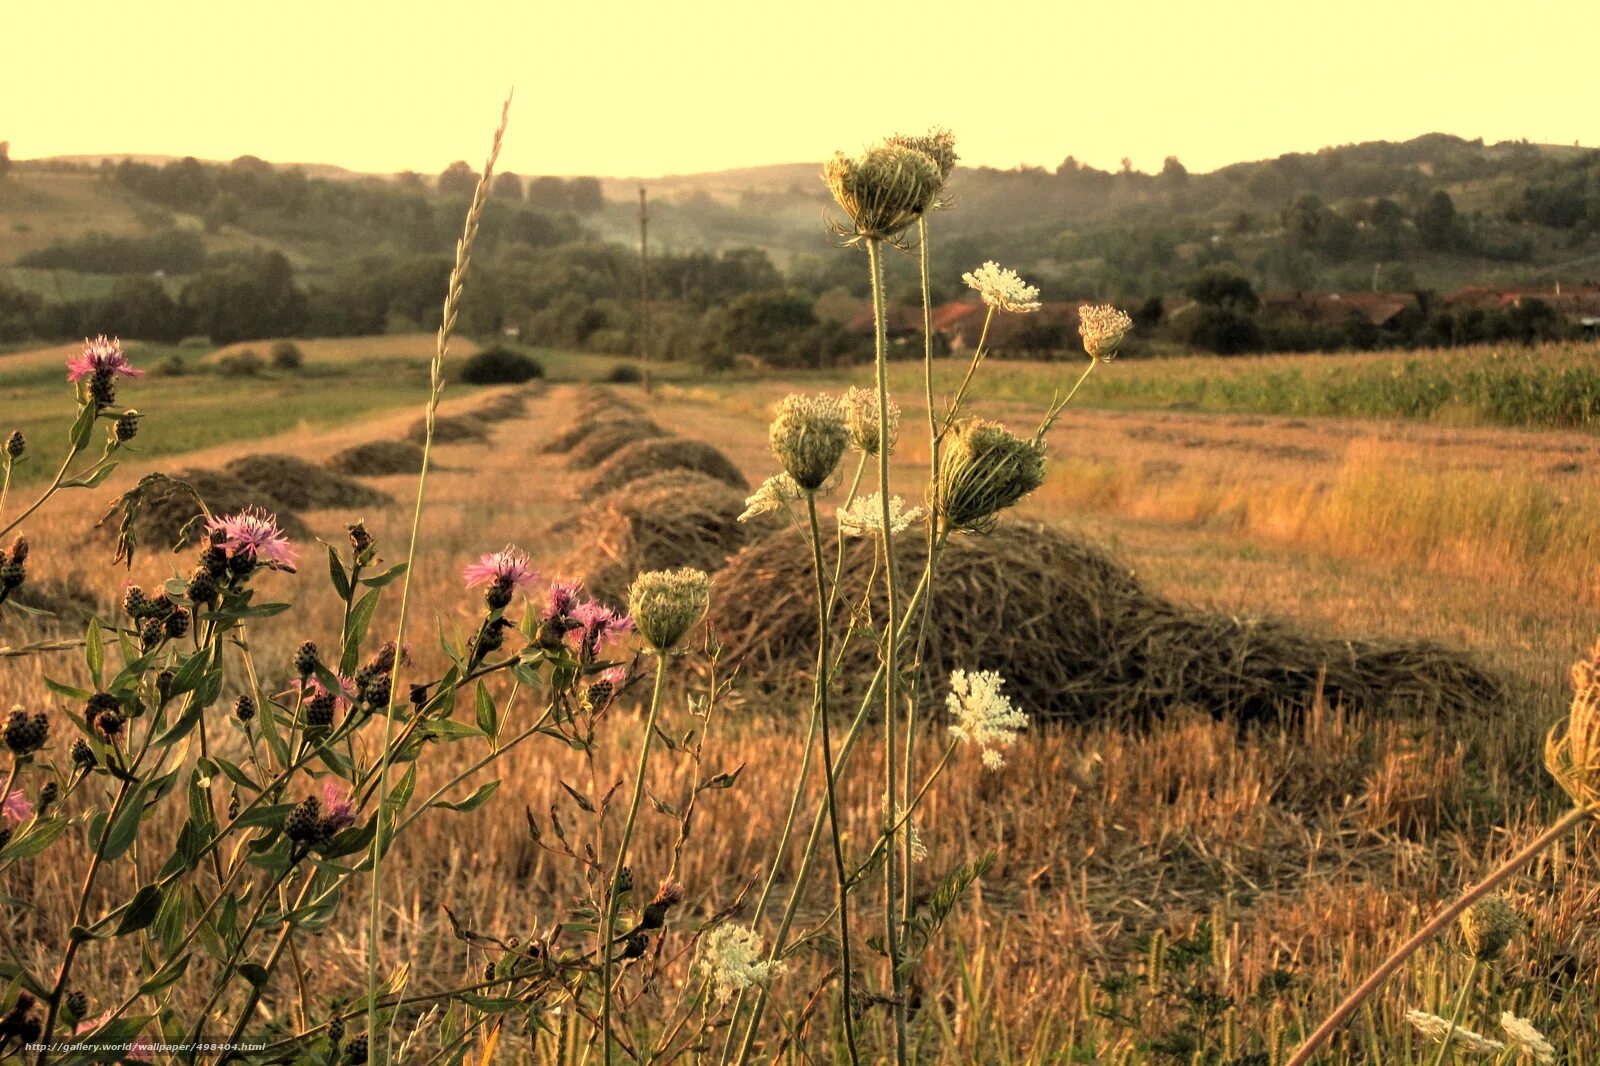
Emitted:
<point x="984" y="468"/>
<point x="355" y="1052"/>
<point x="665" y="604"/>
<point x="808" y="436"/>
<point x="76" y="1004"/>
<point x="669" y="895"/>
<point x="126" y="427"/>
<point x="305" y="658"/>
<point x="244" y="708"/>
<point x="134" y="602"/>
<point x="1488" y="926"/>
<point x="883" y="191"/>
<point x="336" y="1032"/>
<point x="202" y="587"/>
<point x="25" y="733"/>
<point x="304" y="824"/>
<point x="16" y="444"/>
<point x="215" y="560"/>
<point x="635" y="946"/>
<point x="103" y="389"/>
<point x="177" y="623"/>
<point x="360" y="539"/>
<point x="83" y="755"/>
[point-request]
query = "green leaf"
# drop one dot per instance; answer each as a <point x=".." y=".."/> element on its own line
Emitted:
<point x="237" y="775"/>
<point x="126" y="827"/>
<point x="34" y="839"/>
<point x="355" y="631"/>
<point x="336" y="571"/>
<point x="82" y="426"/>
<point x="377" y="581"/>
<point x="66" y="690"/>
<point x="190" y="673"/>
<point x="474" y="801"/>
<point x="142" y="910"/>
<point x="488" y="717"/>
<point x="94" y="480"/>
<point x="94" y="652"/>
<point x="164" y="977"/>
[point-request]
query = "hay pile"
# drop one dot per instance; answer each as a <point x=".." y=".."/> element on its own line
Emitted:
<point x="378" y="458"/>
<point x="1077" y="637"/>
<point x="604" y="439"/>
<point x="300" y="485"/>
<point x="167" y="510"/>
<point x="646" y="457"/>
<point x="505" y="406"/>
<point x="672" y="519"/>
<point x="453" y="429"/>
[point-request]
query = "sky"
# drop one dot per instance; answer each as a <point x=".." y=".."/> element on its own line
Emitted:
<point x="647" y="89"/>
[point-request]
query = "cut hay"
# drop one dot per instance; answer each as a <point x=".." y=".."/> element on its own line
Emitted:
<point x="584" y="426"/>
<point x="507" y="405"/>
<point x="378" y="458"/>
<point x="608" y="438"/>
<point x="597" y="400"/>
<point x="646" y="457"/>
<point x="1077" y="637"/>
<point x="168" y="510"/>
<point x="453" y="429"/>
<point x="678" y="518"/>
<point x="302" y="486"/>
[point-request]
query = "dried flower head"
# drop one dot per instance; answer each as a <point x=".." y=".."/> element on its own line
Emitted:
<point x="1102" y="328"/>
<point x="864" y="516"/>
<point x="1002" y="289"/>
<point x="504" y="572"/>
<point x="984" y="715"/>
<point x="1572" y="754"/>
<point x="252" y="536"/>
<point x="665" y="604"/>
<point x="808" y="436"/>
<point x="101" y="358"/>
<point x="1489" y="925"/>
<point x="1440" y="1031"/>
<point x="861" y="419"/>
<point x="984" y="468"/>
<point x="731" y="956"/>
<point x="1526" y="1039"/>
<point x="774" y="494"/>
<point x="884" y="190"/>
<point x="938" y="144"/>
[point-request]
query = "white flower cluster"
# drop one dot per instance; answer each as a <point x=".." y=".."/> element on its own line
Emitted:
<point x="1102" y="328"/>
<point x="731" y="956"/>
<point x="1002" y="289"/>
<point x="861" y="417"/>
<point x="1526" y="1039"/>
<point x="984" y="716"/>
<point x="773" y="495"/>
<point x="1440" y="1031"/>
<point x="864" y="516"/>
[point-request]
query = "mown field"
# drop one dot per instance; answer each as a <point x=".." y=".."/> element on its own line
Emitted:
<point x="1190" y="890"/>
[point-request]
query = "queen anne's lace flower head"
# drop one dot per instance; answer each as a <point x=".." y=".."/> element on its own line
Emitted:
<point x="1102" y="328"/>
<point x="864" y="516"/>
<point x="774" y="494"/>
<point x="1526" y="1039"/>
<point x="1440" y="1031"/>
<point x="665" y="604"/>
<point x="861" y="418"/>
<point x="884" y="190"/>
<point x="1002" y="289"/>
<point x="808" y="436"/>
<point x="731" y="956"/>
<point x="984" y="715"/>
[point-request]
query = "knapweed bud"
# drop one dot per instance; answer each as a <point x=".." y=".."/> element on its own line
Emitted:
<point x="16" y="444"/>
<point x="76" y="1004"/>
<point x="134" y="602"/>
<point x="884" y="190"/>
<point x="49" y="792"/>
<point x="304" y="824"/>
<point x="202" y="587"/>
<point x="109" y="723"/>
<point x="625" y="879"/>
<point x="635" y="946"/>
<point x="244" y="708"/>
<point x="808" y="435"/>
<point x="126" y="427"/>
<point x="160" y="605"/>
<point x="360" y="539"/>
<point x="355" y="1052"/>
<point x="669" y="895"/>
<point x="103" y="389"/>
<point x="665" y="604"/>
<point x="177" y="623"/>
<point x="1488" y="926"/>
<point x="19" y="551"/>
<point x="983" y="469"/>
<point x="83" y="755"/>
<point x="25" y="733"/>
<point x="215" y="560"/>
<point x="164" y="685"/>
<point x="305" y="658"/>
<point x="861" y="419"/>
<point x="319" y="709"/>
<point x="336" y="1032"/>
<point x="1102" y="328"/>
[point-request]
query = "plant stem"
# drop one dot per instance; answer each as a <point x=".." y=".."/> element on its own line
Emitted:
<point x="1331" y="1025"/>
<point x="821" y="705"/>
<point x="1455" y="1015"/>
<point x="609" y="911"/>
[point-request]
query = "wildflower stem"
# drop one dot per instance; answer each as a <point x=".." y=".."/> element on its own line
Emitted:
<point x="55" y="483"/>
<point x="821" y="707"/>
<point x="891" y="664"/>
<point x="609" y="910"/>
<point x="1455" y="1015"/>
<point x="1440" y="921"/>
<point x="1060" y="405"/>
<point x="447" y="325"/>
<point x="977" y="357"/>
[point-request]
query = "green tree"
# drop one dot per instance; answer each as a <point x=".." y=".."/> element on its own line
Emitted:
<point x="1437" y="223"/>
<point x="507" y="186"/>
<point x="458" y="179"/>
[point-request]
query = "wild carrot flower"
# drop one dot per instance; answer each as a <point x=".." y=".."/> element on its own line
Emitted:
<point x="731" y="956"/>
<point x="984" y="468"/>
<point x="1526" y="1039"/>
<point x="861" y="419"/>
<point x="864" y="516"/>
<point x="937" y="144"/>
<point x="665" y="604"/>
<point x="252" y="534"/>
<point x="773" y="495"/>
<point x="101" y="358"/>
<point x="909" y="832"/>
<point x="984" y="715"/>
<point x="504" y="571"/>
<point x="808" y="436"/>
<point x="17" y="807"/>
<point x="1002" y="289"/>
<point x="1488" y="926"/>
<point x="1440" y="1031"/>
<point x="1102" y="328"/>
<point x="883" y="190"/>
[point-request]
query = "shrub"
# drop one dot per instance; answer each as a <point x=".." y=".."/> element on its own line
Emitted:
<point x="244" y="363"/>
<point x="624" y="374"/>
<point x="499" y="365"/>
<point x="172" y="367"/>
<point x="286" y="355"/>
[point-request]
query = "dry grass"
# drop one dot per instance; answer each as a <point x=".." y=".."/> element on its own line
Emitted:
<point x="646" y="458"/>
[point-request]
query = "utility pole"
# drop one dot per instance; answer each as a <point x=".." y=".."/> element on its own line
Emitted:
<point x="644" y="290"/>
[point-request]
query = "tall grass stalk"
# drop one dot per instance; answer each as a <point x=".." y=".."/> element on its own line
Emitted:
<point x="447" y="325"/>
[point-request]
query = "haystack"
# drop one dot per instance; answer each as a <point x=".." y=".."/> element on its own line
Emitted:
<point x="378" y="458"/>
<point x="301" y="486"/>
<point x="167" y="511"/>
<point x="643" y="458"/>
<point x="672" y="519"/>
<point x="452" y="429"/>
<point x="1077" y="637"/>
<point x="585" y="425"/>
<point x="505" y="406"/>
<point x="596" y="400"/>
<point x="609" y="437"/>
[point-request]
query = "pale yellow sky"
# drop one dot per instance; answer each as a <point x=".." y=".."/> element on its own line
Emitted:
<point x="642" y="89"/>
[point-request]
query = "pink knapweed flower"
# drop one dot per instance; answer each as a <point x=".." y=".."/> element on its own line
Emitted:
<point x="255" y="533"/>
<point x="312" y="689"/>
<point x="563" y="600"/>
<point x="599" y="626"/>
<point x="508" y="567"/>
<point x="101" y="356"/>
<point x="337" y="809"/>
<point x="17" y="807"/>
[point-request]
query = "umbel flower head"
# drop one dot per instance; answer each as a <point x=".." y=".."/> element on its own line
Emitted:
<point x="984" y="715"/>
<point x="983" y="469"/>
<point x="1102" y="328"/>
<point x="1526" y="1039"/>
<point x="884" y="190"/>
<point x="1002" y="289"/>
<point x="666" y="604"/>
<point x="731" y="956"/>
<point x="808" y="436"/>
<point x="1440" y="1031"/>
<point x="773" y="495"/>
<point x="1572" y="753"/>
<point x="252" y="535"/>
<point x="1488" y="926"/>
<point x="864" y="516"/>
<point x="938" y="144"/>
<point x="861" y="419"/>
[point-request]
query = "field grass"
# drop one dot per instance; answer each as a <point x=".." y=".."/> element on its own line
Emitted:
<point x="1266" y="869"/>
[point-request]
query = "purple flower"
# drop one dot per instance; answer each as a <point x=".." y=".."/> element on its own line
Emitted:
<point x="17" y="807"/>
<point x="508" y="567"/>
<point x="254" y="533"/>
<point x="599" y="626"/>
<point x="563" y="600"/>
<point x="101" y="357"/>
<point x="338" y="810"/>
<point x="311" y="690"/>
